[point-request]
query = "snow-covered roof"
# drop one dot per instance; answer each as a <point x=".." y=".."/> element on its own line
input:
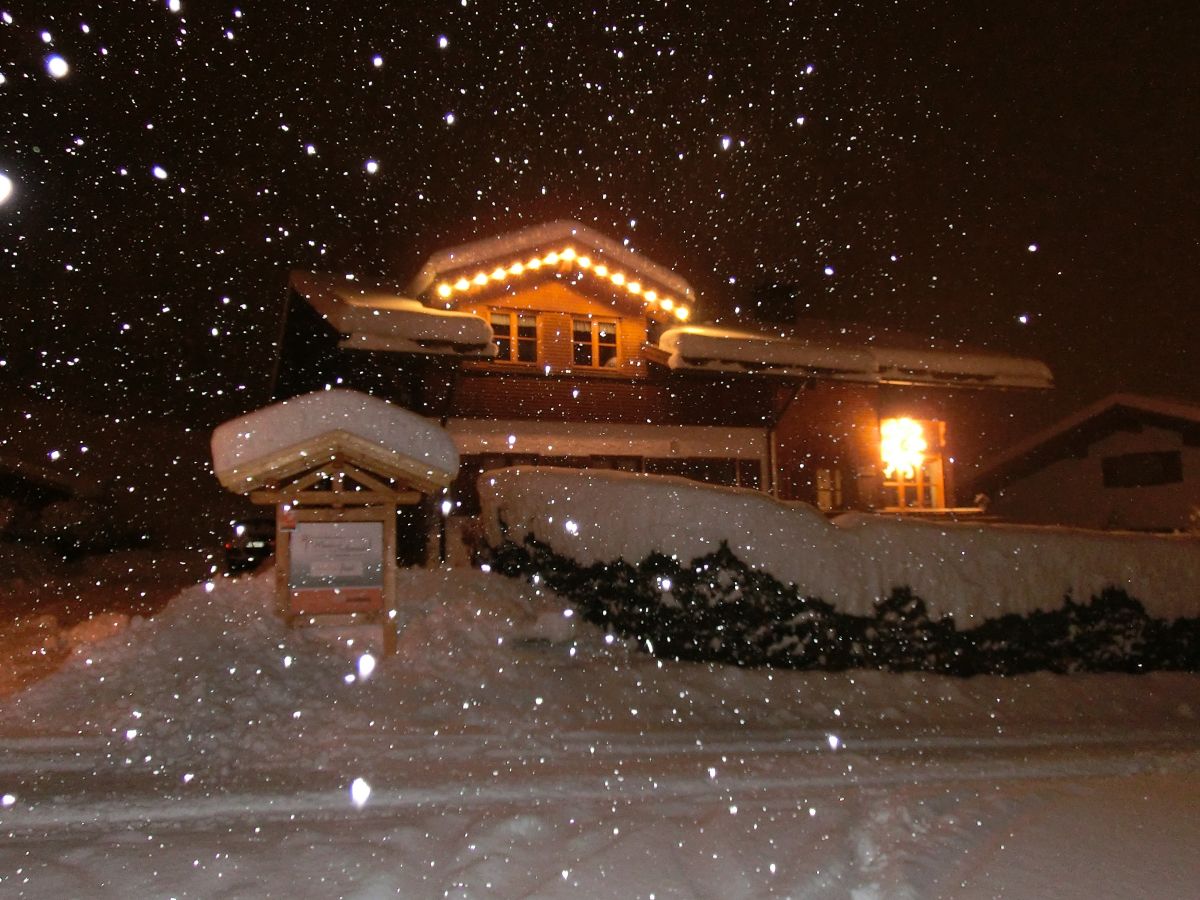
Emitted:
<point x="708" y="347"/>
<point x="959" y="368"/>
<point x="548" y="236"/>
<point x="267" y="446"/>
<point x="1084" y="427"/>
<point x="22" y="478"/>
<point x="373" y="316"/>
<point x="725" y="349"/>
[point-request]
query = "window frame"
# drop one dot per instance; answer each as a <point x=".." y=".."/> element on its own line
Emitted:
<point x="594" y="326"/>
<point x="513" y="337"/>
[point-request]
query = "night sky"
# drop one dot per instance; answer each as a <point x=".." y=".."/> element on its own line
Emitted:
<point x="1023" y="177"/>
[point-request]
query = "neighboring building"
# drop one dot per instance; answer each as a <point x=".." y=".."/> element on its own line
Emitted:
<point x="26" y="489"/>
<point x="1126" y="462"/>
<point x="556" y="345"/>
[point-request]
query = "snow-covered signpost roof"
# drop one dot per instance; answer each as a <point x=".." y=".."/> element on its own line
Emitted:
<point x="266" y="447"/>
<point x="335" y="464"/>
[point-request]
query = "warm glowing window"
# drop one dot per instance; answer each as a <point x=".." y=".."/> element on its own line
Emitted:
<point x="595" y="342"/>
<point x="515" y="335"/>
<point x="912" y="466"/>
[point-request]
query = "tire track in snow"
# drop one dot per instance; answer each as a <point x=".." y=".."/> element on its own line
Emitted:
<point x="629" y="773"/>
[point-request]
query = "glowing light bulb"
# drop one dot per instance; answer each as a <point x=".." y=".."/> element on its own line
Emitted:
<point x="516" y="269"/>
<point x="6" y="187"/>
<point x="602" y="271"/>
<point x="462" y="284"/>
<point x="498" y="274"/>
<point x="634" y="287"/>
<point x="651" y="296"/>
<point x="444" y="290"/>
<point x="535" y="263"/>
<point x="480" y="279"/>
<point x="667" y="303"/>
<point x="681" y="313"/>
<point x="584" y="262"/>
<point x="618" y="278"/>
<point x="551" y="259"/>
<point x="568" y="253"/>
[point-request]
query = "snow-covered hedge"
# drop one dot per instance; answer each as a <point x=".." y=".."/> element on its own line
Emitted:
<point x="642" y="577"/>
<point x="971" y="571"/>
<point x="717" y="609"/>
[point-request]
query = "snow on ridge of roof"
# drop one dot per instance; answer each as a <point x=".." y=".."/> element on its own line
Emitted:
<point x="372" y="316"/>
<point x="1180" y="410"/>
<point x="709" y="346"/>
<point x="547" y="235"/>
<point x="713" y="347"/>
<point x="251" y="449"/>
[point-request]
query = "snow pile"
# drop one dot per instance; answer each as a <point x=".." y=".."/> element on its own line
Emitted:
<point x="216" y="681"/>
<point x="969" y="570"/>
<point x="261" y="438"/>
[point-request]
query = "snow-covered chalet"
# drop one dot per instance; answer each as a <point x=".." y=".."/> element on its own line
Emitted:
<point x="556" y="345"/>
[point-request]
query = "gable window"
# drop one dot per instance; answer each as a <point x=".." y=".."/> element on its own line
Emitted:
<point x="515" y="335"/>
<point x="1142" y="469"/>
<point x="595" y="342"/>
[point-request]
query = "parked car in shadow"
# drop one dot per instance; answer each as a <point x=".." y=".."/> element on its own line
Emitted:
<point x="250" y="542"/>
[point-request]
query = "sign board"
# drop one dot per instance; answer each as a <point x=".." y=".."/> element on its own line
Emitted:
<point x="336" y="567"/>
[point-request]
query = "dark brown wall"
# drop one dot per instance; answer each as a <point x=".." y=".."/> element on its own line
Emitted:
<point x="656" y="398"/>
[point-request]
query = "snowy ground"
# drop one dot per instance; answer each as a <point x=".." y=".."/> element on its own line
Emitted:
<point x="505" y="751"/>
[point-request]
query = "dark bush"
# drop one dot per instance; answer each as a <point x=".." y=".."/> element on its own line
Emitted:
<point x="718" y="609"/>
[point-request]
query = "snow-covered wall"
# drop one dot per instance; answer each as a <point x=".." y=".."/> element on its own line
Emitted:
<point x="973" y="571"/>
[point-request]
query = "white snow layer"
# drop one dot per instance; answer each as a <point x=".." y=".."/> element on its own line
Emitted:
<point x="370" y="317"/>
<point x="695" y="345"/>
<point x="257" y="436"/>
<point x="710" y="347"/>
<point x="510" y="752"/>
<point x="547" y="236"/>
<point x="973" y="571"/>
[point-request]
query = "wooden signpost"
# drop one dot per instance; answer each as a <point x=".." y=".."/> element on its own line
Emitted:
<point x="335" y="497"/>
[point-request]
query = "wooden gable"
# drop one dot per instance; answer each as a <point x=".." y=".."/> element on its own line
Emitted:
<point x="556" y="304"/>
<point x="301" y="464"/>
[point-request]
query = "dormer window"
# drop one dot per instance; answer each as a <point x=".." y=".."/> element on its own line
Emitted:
<point x="595" y="342"/>
<point x="515" y="334"/>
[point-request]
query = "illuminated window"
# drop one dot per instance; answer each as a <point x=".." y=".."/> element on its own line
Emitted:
<point x="515" y="335"/>
<point x="912" y="468"/>
<point x="595" y="342"/>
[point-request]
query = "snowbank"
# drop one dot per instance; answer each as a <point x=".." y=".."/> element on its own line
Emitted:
<point x="257" y="441"/>
<point x="971" y="571"/>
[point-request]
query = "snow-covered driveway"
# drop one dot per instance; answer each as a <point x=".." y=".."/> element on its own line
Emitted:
<point x="510" y="753"/>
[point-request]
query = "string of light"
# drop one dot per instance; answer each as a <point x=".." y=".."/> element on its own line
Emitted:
<point x="568" y="258"/>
